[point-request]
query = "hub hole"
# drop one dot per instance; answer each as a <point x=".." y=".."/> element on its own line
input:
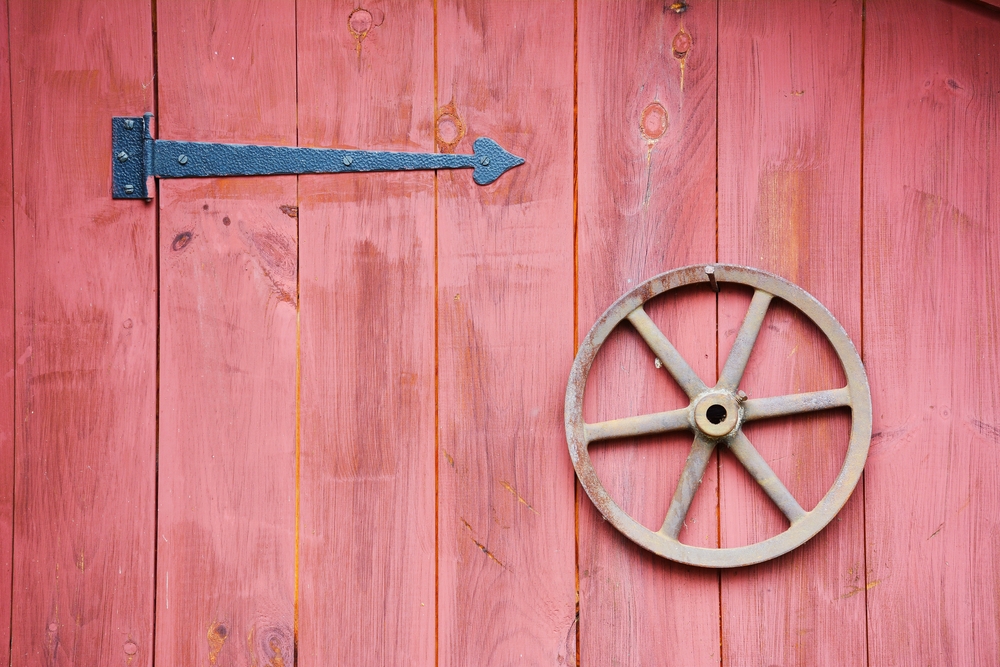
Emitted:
<point x="716" y="414"/>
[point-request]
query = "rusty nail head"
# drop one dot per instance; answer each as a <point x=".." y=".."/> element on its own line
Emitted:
<point x="710" y="272"/>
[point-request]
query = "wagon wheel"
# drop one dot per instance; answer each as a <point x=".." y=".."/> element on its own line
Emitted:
<point x="716" y="416"/>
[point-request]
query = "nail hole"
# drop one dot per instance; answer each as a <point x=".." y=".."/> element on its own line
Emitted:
<point x="221" y="631"/>
<point x="654" y="121"/>
<point x="226" y="221"/>
<point x="204" y="207"/>
<point x="716" y="414"/>
<point x="181" y="241"/>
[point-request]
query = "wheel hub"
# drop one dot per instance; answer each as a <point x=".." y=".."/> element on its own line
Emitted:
<point x="717" y="414"/>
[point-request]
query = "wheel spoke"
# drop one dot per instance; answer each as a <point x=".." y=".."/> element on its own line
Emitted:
<point x="666" y="353"/>
<point x="660" y="422"/>
<point x="793" y="404"/>
<point x="732" y="373"/>
<point x="762" y="473"/>
<point x="694" y="470"/>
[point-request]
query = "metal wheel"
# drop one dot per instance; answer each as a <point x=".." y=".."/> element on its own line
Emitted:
<point x="716" y="416"/>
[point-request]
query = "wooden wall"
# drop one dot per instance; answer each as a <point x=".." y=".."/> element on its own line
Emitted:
<point x="318" y="419"/>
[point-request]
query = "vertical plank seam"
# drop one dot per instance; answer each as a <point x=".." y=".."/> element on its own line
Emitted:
<point x="861" y="341"/>
<point x="298" y="363"/>
<point x="156" y="270"/>
<point x="718" y="454"/>
<point x="437" y="393"/>
<point x="13" y="357"/>
<point x="576" y="298"/>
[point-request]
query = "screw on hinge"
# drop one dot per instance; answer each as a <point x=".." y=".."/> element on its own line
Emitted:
<point x="129" y="123"/>
<point x="129" y="189"/>
<point x="182" y="159"/>
<point x="485" y="161"/>
<point x="679" y="7"/>
<point x="348" y="160"/>
<point x="122" y="157"/>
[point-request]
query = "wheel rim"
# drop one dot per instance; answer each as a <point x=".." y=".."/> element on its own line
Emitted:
<point x="717" y="414"/>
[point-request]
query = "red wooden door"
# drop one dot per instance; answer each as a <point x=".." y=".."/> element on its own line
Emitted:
<point x="319" y="420"/>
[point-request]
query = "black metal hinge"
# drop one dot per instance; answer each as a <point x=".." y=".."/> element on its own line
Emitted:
<point x="137" y="158"/>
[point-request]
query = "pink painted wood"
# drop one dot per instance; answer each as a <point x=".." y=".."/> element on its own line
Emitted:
<point x="367" y="563"/>
<point x="7" y="358"/>
<point x="789" y="202"/>
<point x="506" y="585"/>
<point x="85" y="340"/>
<point x="932" y="219"/>
<point x="228" y="313"/>
<point x="646" y="204"/>
<point x="438" y="322"/>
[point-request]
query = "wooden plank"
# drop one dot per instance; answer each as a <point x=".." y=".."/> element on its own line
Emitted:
<point x="789" y="202"/>
<point x="932" y="331"/>
<point x="505" y="303"/>
<point x="646" y="204"/>
<point x="367" y="560"/>
<point x="6" y="343"/>
<point x="228" y="263"/>
<point x="85" y="340"/>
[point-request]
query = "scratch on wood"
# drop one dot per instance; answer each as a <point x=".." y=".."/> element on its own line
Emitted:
<point x="448" y="458"/>
<point x="488" y="553"/>
<point x="936" y="531"/>
<point x="514" y="492"/>
<point x="986" y="430"/>
<point x="482" y="547"/>
<point x="858" y="589"/>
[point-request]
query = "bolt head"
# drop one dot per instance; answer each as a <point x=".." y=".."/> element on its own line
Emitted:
<point x="129" y="123"/>
<point x="348" y="160"/>
<point x="129" y="189"/>
<point x="123" y="157"/>
<point x="182" y="159"/>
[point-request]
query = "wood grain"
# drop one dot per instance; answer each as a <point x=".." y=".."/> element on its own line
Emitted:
<point x="789" y="202"/>
<point x="505" y="302"/>
<point x="367" y="563"/>
<point x="85" y="352"/>
<point x="932" y="331"/>
<point x="7" y="358"/>
<point x="646" y="205"/>
<point x="228" y="312"/>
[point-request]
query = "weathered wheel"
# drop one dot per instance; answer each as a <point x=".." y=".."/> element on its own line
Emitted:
<point x="716" y="416"/>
